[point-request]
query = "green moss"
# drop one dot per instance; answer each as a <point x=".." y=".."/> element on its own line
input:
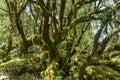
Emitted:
<point x="16" y="68"/>
<point x="13" y="61"/>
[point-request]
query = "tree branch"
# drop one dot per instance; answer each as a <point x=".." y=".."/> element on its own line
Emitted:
<point x="105" y="41"/>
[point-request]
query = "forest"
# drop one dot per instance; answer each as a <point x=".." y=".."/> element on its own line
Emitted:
<point x="60" y="40"/>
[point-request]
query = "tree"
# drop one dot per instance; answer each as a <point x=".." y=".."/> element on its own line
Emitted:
<point x="66" y="39"/>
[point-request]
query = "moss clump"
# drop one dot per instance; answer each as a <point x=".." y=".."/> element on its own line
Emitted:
<point x="21" y="68"/>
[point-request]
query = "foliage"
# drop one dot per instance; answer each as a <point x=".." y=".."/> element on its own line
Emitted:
<point x="60" y="39"/>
